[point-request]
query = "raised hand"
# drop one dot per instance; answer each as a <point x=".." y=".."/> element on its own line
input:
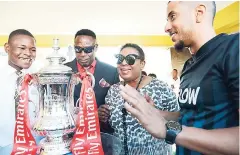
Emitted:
<point x="149" y="117"/>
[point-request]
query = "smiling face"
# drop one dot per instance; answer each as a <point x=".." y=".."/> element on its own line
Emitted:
<point x="83" y="41"/>
<point x="21" y="51"/>
<point x="180" y="23"/>
<point x="130" y="72"/>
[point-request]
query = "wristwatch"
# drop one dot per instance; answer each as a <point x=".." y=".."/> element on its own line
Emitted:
<point x="173" y="129"/>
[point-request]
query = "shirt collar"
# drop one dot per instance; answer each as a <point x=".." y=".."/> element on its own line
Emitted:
<point x="93" y="65"/>
<point x="9" y="69"/>
<point x="206" y="47"/>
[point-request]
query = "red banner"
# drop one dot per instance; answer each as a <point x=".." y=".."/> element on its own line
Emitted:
<point x="24" y="143"/>
<point x="87" y="138"/>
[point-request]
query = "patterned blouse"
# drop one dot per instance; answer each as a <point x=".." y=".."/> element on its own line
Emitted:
<point x="139" y="141"/>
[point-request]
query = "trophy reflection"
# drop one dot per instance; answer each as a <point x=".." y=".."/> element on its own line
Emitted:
<point x="54" y="116"/>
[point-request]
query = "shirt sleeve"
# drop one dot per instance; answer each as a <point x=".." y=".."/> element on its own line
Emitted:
<point x="231" y="70"/>
<point x="168" y="99"/>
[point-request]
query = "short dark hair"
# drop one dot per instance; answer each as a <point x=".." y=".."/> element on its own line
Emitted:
<point x="138" y="48"/>
<point x="144" y="73"/>
<point x="85" y="32"/>
<point x="20" y="32"/>
<point x="213" y="9"/>
<point x="175" y="69"/>
<point x="152" y="75"/>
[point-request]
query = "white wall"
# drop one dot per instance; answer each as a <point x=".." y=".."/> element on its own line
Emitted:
<point x="103" y="17"/>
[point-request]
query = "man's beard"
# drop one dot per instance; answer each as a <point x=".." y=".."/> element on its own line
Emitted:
<point x="85" y="64"/>
<point x="179" y="46"/>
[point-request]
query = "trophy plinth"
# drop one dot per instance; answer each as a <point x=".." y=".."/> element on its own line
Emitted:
<point x="56" y="145"/>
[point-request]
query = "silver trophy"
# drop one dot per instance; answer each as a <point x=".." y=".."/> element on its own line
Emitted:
<point x="56" y="114"/>
<point x="55" y="121"/>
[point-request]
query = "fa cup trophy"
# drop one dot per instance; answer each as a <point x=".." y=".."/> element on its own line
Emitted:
<point x="55" y="119"/>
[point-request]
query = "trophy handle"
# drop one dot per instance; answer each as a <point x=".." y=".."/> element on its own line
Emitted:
<point x="34" y="93"/>
<point x="79" y="80"/>
<point x="77" y="104"/>
<point x="92" y="78"/>
<point x="75" y="80"/>
<point x="89" y="74"/>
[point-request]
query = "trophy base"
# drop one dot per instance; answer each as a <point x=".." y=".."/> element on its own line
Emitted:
<point x="55" y="145"/>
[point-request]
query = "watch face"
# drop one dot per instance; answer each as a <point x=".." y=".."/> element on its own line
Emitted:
<point x="173" y="125"/>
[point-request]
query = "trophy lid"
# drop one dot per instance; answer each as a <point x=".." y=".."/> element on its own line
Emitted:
<point x="56" y="61"/>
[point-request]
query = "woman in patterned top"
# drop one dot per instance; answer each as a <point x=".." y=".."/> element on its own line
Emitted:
<point x="136" y="140"/>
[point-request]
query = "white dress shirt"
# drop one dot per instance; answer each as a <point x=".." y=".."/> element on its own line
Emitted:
<point x="175" y="84"/>
<point x="8" y="80"/>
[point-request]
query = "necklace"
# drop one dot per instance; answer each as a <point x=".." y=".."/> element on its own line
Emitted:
<point x="124" y="114"/>
<point x="137" y="84"/>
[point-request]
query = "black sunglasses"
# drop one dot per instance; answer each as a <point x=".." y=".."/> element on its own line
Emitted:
<point x="130" y="58"/>
<point x="89" y="49"/>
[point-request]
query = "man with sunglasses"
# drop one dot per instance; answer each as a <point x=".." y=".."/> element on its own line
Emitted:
<point x="85" y="45"/>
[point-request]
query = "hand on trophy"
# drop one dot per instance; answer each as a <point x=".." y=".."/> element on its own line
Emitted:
<point x="103" y="113"/>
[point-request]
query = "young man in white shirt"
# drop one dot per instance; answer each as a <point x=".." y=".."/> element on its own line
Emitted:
<point x="175" y="81"/>
<point x="21" y="50"/>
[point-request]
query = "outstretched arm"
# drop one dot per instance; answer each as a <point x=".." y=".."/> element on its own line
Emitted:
<point x="170" y="115"/>
<point x="218" y="141"/>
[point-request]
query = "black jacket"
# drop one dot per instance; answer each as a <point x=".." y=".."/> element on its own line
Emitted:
<point x="102" y="70"/>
